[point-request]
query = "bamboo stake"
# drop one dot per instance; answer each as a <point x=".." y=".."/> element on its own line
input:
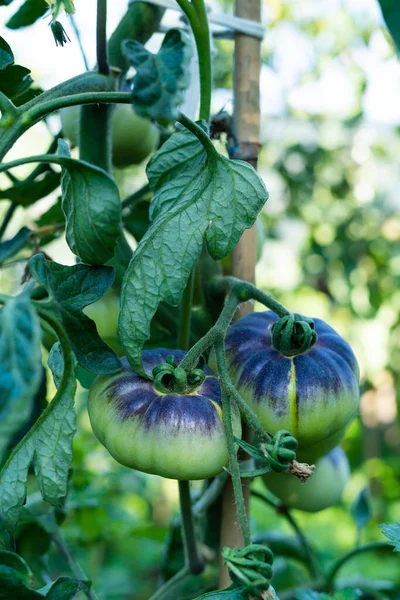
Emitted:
<point x="247" y="63"/>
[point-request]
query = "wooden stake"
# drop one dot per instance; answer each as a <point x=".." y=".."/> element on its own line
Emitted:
<point x="247" y="128"/>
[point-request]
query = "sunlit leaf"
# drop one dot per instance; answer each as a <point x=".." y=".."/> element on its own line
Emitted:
<point x="392" y="532"/>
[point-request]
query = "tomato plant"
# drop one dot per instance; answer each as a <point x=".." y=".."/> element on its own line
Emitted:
<point x="150" y="331"/>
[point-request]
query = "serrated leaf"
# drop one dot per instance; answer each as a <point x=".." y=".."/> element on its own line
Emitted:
<point x="26" y="193"/>
<point x="49" y="444"/>
<point x="20" y="355"/>
<point x="161" y="79"/>
<point x="91" y="204"/>
<point x="391" y="14"/>
<point x="71" y="288"/>
<point x="198" y="197"/>
<point x="11" y="247"/>
<point x="392" y="532"/>
<point x="28" y="13"/>
<point x="15" y="81"/>
<point x="6" y="54"/>
<point x="361" y="509"/>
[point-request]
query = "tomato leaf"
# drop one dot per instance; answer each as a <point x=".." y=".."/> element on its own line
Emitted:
<point x="6" y="54"/>
<point x="91" y="204"/>
<point x="392" y="532"/>
<point x="15" y="81"/>
<point x="230" y="593"/>
<point x="161" y="79"/>
<point x="197" y="198"/>
<point x="26" y="193"/>
<point x="49" y="444"/>
<point x="70" y="290"/>
<point x="391" y="14"/>
<point x="20" y="356"/>
<point x="64" y="588"/>
<point x="11" y="247"/>
<point x="28" y="13"/>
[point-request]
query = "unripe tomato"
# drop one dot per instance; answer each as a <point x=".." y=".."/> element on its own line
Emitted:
<point x="175" y="435"/>
<point x="323" y="489"/>
<point x="133" y="138"/>
<point x="105" y="313"/>
<point x="313" y="395"/>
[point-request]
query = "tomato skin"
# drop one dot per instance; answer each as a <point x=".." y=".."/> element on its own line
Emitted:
<point x="133" y="138"/>
<point x="322" y="490"/>
<point x="104" y="313"/>
<point x="313" y="395"/>
<point x="179" y="436"/>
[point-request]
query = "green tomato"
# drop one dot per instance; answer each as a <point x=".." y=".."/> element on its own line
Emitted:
<point x="105" y="313"/>
<point x="323" y="489"/>
<point x="133" y="138"/>
<point x="152" y="428"/>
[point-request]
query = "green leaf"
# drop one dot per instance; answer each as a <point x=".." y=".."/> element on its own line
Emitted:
<point x="361" y="509"/>
<point x="56" y="363"/>
<point x="92" y="208"/>
<point x="11" y="247"/>
<point x="6" y="54"/>
<point x="49" y="444"/>
<point x="391" y="14"/>
<point x="26" y="193"/>
<point x="70" y="290"/>
<point x="229" y="593"/>
<point x="198" y="197"/>
<point x="392" y="532"/>
<point x="15" y="578"/>
<point x="15" y="81"/>
<point x="91" y="204"/>
<point x="20" y="356"/>
<point x="28" y="13"/>
<point x="161" y="79"/>
<point x="346" y="593"/>
<point x="65" y="588"/>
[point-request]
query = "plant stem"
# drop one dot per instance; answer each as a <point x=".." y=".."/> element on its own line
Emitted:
<point x="6" y="106"/>
<point x="101" y="38"/>
<point x="233" y="461"/>
<point x="7" y="218"/>
<point x="79" y="39"/>
<point x="199" y="133"/>
<point x="312" y="560"/>
<point x="130" y="201"/>
<point x="202" y="37"/>
<point x="160" y="593"/>
<point x="194" y="562"/>
<point x="344" y="559"/>
<point x="211" y="493"/>
<point x="74" y="566"/>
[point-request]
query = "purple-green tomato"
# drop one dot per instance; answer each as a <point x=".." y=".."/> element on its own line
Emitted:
<point x="133" y="138"/>
<point x="175" y="435"/>
<point x="313" y="395"/>
<point x="323" y="489"/>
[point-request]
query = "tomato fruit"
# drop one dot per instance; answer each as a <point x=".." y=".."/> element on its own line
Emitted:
<point x="133" y="138"/>
<point x="313" y="395"/>
<point x="323" y="489"/>
<point x="104" y="313"/>
<point x="175" y="435"/>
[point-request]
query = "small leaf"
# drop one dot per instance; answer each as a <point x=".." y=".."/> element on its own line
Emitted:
<point x="391" y="14"/>
<point x="26" y="193"/>
<point x="392" y="532"/>
<point x="11" y="247"/>
<point x="28" y="13"/>
<point x="91" y="204"/>
<point x="6" y="54"/>
<point x="15" y="81"/>
<point x="230" y="593"/>
<point x="197" y="198"/>
<point x="362" y="509"/>
<point x="161" y="79"/>
<point x="65" y="588"/>
<point x="70" y="290"/>
<point x="49" y="442"/>
<point x="56" y="363"/>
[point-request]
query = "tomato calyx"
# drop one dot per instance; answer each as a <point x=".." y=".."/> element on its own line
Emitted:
<point x="169" y="378"/>
<point x="293" y="334"/>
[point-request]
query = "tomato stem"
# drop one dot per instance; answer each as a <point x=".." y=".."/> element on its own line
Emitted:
<point x="194" y="562"/>
<point x="101" y="38"/>
<point x="344" y="559"/>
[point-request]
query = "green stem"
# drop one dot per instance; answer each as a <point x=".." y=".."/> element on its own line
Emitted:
<point x="344" y="559"/>
<point x="161" y="592"/>
<point x="194" y="562"/>
<point x="312" y="559"/>
<point x="79" y="39"/>
<point x="74" y="566"/>
<point x="6" y="106"/>
<point x="7" y="218"/>
<point x="101" y="38"/>
<point x="185" y="316"/>
<point x="131" y="200"/>
<point x="211" y="494"/>
<point x="95" y="135"/>
<point x="233" y="460"/>
<point x="199" y="133"/>
<point x="202" y="37"/>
